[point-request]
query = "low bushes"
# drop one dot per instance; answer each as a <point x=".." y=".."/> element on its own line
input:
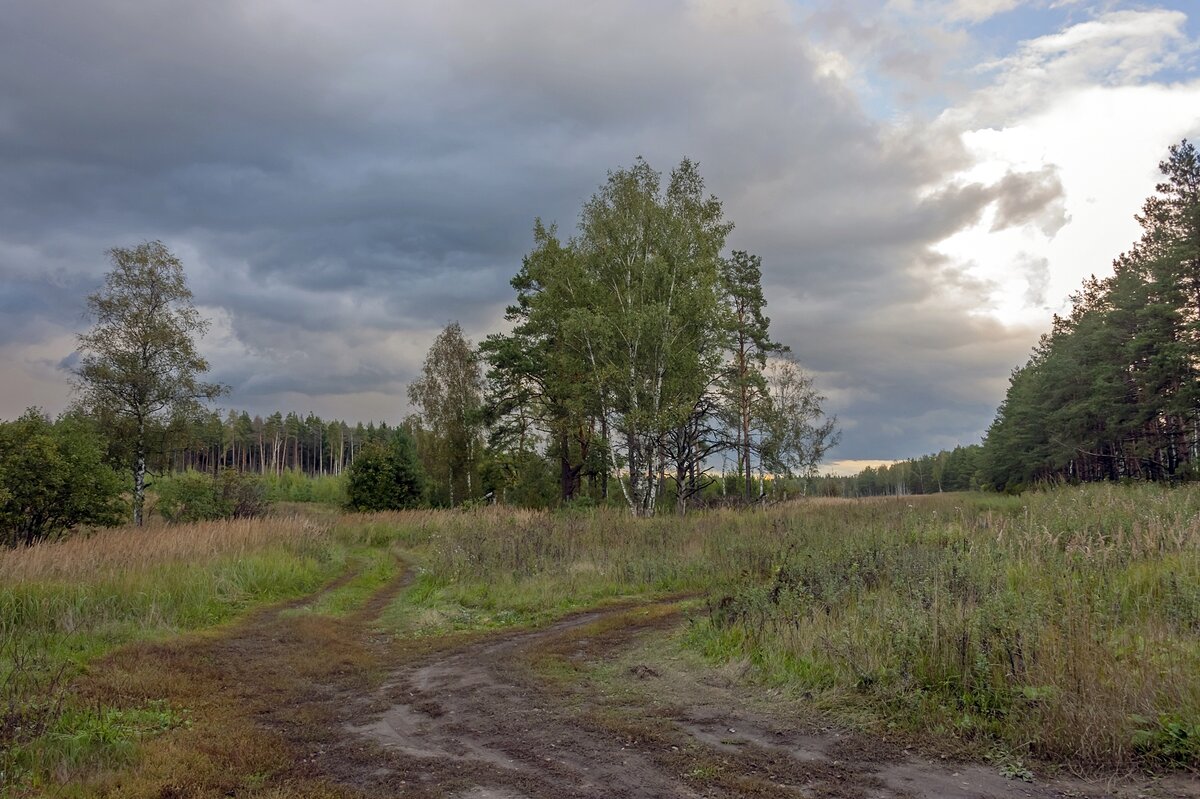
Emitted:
<point x="195" y="497"/>
<point x="53" y="479"/>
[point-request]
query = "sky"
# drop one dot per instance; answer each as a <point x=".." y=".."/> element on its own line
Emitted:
<point x="926" y="182"/>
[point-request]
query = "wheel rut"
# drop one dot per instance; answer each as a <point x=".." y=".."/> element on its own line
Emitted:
<point x="479" y="721"/>
<point x="311" y="705"/>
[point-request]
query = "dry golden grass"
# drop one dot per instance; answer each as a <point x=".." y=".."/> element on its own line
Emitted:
<point x="131" y="549"/>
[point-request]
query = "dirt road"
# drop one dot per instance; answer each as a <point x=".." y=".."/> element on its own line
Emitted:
<point x="479" y="723"/>
<point x="337" y="708"/>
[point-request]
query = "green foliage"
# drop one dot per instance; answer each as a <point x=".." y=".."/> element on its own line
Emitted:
<point x="193" y="496"/>
<point x="536" y="387"/>
<point x="385" y="477"/>
<point x="449" y="396"/>
<point x="188" y="497"/>
<point x="526" y="480"/>
<point x="243" y="495"/>
<point x="744" y="382"/>
<point x="53" y="479"/>
<point x="1169" y="739"/>
<point x="638" y="349"/>
<point x="293" y="485"/>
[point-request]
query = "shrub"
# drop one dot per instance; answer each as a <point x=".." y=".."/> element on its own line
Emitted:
<point x="188" y="497"/>
<point x="243" y="495"/>
<point x="195" y="496"/>
<point x="385" y="477"/>
<point x="53" y="478"/>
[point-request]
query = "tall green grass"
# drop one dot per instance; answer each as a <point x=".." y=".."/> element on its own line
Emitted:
<point x="291" y="485"/>
<point x="82" y="596"/>
<point x="498" y="566"/>
<point x="1065" y="625"/>
<point x="295" y="486"/>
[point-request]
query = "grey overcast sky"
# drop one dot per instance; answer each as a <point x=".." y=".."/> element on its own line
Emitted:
<point x="925" y="181"/>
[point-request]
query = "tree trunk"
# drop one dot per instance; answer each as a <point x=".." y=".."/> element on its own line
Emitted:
<point x="566" y="476"/>
<point x="746" y="446"/>
<point x="139" y="475"/>
<point x="604" y="476"/>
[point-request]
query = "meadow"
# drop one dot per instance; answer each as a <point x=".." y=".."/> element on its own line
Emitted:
<point x="1061" y="626"/>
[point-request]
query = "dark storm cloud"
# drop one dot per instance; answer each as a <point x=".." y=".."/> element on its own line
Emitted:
<point x="1031" y="197"/>
<point x="342" y="181"/>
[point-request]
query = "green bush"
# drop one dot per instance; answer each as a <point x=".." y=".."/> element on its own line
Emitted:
<point x="195" y="496"/>
<point x="385" y="477"/>
<point x="53" y="478"/>
<point x="188" y="497"/>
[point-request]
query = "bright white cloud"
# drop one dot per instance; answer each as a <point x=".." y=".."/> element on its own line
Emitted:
<point x="1115" y="49"/>
<point x="1077" y="102"/>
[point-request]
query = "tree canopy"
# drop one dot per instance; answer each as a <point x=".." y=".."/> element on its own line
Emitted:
<point x="385" y="476"/>
<point x="139" y="361"/>
<point x="637" y="348"/>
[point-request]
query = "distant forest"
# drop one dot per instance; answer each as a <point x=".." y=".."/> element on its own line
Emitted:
<point x="958" y="469"/>
<point x="211" y="441"/>
<point x="1112" y="392"/>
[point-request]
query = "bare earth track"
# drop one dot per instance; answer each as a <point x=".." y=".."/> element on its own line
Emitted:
<point x="351" y="712"/>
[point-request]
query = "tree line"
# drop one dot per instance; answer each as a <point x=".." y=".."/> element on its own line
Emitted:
<point x="1112" y="391"/>
<point x="639" y="357"/>
<point x="210" y="441"/>
<point x="955" y="469"/>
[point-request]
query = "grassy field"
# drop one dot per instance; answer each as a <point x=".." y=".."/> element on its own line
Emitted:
<point x="64" y="604"/>
<point x="1062" y="626"/>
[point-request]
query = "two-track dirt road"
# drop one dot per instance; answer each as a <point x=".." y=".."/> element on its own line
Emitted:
<point x="333" y="707"/>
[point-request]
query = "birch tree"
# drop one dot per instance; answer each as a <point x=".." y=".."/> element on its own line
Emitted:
<point x="648" y="295"/>
<point x="449" y="395"/>
<point x="794" y="431"/>
<point x="139" y="361"/>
